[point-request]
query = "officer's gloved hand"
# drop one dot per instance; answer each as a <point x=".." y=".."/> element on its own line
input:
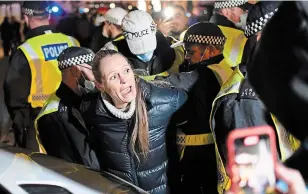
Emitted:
<point x="299" y="160"/>
<point x="19" y="130"/>
<point x="279" y="56"/>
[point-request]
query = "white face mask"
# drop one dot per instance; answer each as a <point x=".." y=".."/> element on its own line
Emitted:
<point x="242" y="23"/>
<point x="88" y="87"/>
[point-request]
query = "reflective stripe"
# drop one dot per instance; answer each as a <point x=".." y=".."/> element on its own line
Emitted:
<point x="228" y="90"/>
<point x="74" y="41"/>
<point x="236" y="48"/>
<point x="221" y="71"/>
<point x="37" y="65"/>
<point x="231" y="86"/>
<point x="195" y="140"/>
<point x="152" y="77"/>
<point x="39" y="97"/>
<point x="287" y="143"/>
<point x="119" y="38"/>
<point x="183" y="140"/>
<point x="51" y="105"/>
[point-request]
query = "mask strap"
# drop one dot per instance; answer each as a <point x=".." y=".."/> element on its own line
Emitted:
<point x="202" y="55"/>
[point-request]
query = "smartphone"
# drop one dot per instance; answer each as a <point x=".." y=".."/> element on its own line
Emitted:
<point x="252" y="157"/>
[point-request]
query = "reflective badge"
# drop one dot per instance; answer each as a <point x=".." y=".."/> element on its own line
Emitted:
<point x="52" y="51"/>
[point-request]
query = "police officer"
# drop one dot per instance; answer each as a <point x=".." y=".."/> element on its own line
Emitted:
<point x="60" y="120"/>
<point x="208" y="71"/>
<point x="282" y="67"/>
<point x="147" y="49"/>
<point x="237" y="105"/>
<point x="33" y="73"/>
<point x="110" y="29"/>
<point x="230" y="16"/>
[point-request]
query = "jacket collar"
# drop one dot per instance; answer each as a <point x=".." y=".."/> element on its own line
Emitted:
<point x="39" y="31"/>
<point x="68" y="95"/>
<point x="119" y="36"/>
<point x="222" y="21"/>
<point x="213" y="60"/>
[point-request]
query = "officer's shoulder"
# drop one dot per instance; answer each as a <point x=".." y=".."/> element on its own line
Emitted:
<point x="89" y="100"/>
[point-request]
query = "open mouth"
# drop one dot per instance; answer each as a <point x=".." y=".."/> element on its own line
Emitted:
<point x="126" y="90"/>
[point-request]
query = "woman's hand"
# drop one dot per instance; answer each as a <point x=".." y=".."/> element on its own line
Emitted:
<point x="292" y="178"/>
<point x="165" y="26"/>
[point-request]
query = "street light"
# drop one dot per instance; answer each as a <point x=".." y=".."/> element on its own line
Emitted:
<point x="112" y="5"/>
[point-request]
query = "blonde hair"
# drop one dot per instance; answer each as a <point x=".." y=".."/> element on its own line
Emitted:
<point x="140" y="134"/>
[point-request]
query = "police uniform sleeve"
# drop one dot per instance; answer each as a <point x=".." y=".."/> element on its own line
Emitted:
<point x="51" y="128"/>
<point x="184" y="80"/>
<point x="16" y="91"/>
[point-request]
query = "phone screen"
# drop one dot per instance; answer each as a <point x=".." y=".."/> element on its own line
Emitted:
<point x="254" y="165"/>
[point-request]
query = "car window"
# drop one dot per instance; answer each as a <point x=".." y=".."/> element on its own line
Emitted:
<point x="3" y="190"/>
<point x="44" y="189"/>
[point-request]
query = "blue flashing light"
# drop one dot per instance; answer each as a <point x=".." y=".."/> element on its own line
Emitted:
<point x="55" y="9"/>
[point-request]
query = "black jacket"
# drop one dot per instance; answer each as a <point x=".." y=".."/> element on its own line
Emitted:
<point x="162" y="60"/>
<point x="111" y="137"/>
<point x="238" y="110"/>
<point x="278" y="69"/>
<point x="202" y="87"/>
<point x="98" y="40"/>
<point x="17" y="89"/>
<point x="64" y="134"/>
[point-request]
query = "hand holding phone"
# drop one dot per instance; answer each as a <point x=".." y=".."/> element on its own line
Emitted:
<point x="252" y="159"/>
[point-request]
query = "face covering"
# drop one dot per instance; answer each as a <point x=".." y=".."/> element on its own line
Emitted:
<point x="85" y="86"/>
<point x="146" y="56"/>
<point x="242" y="23"/>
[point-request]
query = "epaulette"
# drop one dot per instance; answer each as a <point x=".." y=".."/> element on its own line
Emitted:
<point x="247" y="91"/>
<point x="62" y="108"/>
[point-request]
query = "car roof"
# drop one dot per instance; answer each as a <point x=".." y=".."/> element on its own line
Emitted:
<point x="100" y="181"/>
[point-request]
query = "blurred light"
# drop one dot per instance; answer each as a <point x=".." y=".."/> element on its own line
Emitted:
<point x="156" y="5"/>
<point x="252" y="140"/>
<point x="188" y="14"/>
<point x="55" y="9"/>
<point x="86" y="10"/>
<point x="130" y="7"/>
<point x="142" y="5"/>
<point x="150" y="7"/>
<point x="102" y="4"/>
<point x="168" y="13"/>
<point x="96" y="6"/>
<point x="112" y="5"/>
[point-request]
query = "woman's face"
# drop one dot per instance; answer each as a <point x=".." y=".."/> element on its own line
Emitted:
<point x="118" y="80"/>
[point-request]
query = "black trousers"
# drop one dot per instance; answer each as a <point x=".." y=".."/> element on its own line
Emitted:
<point x="6" y="47"/>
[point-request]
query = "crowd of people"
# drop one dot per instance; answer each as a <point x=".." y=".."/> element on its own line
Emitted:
<point x="154" y="102"/>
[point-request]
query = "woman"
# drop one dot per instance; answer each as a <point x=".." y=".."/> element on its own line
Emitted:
<point x="128" y="121"/>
